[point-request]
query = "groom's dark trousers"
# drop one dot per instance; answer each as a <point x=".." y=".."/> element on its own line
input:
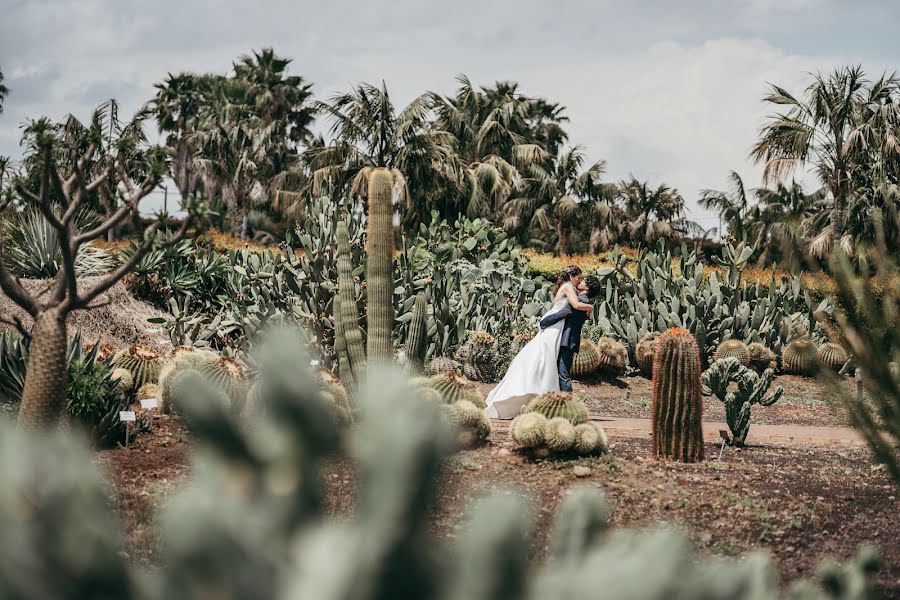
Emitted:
<point x="570" y="341"/>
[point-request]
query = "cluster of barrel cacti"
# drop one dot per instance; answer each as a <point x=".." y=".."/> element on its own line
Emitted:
<point x="440" y="364"/>
<point x="733" y="349"/>
<point x="141" y="362"/>
<point x="605" y="358"/>
<point x="224" y="375"/>
<point x="557" y="423"/>
<point x="677" y="405"/>
<point x="751" y="388"/>
<point x="478" y="357"/>
<point x="462" y="405"/>
<point x="253" y="523"/>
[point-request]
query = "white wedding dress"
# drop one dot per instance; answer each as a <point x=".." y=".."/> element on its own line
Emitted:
<point x="532" y="372"/>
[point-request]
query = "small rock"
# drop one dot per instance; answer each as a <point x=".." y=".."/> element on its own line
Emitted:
<point x="504" y="452"/>
<point x="581" y="471"/>
<point x="706" y="537"/>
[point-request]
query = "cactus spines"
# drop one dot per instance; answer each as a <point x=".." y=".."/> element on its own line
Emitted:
<point x="479" y="356"/>
<point x="613" y="357"/>
<point x="833" y="356"/>
<point x="417" y="341"/>
<point x="761" y="357"/>
<point x="590" y="438"/>
<point x="473" y="426"/>
<point x="677" y="405"/>
<point x="643" y="353"/>
<point x="380" y="266"/>
<point x="147" y="391"/>
<point x="559" y="404"/>
<point x="800" y="357"/>
<point x="587" y="361"/>
<point x="124" y="380"/>
<point x="559" y="435"/>
<point x="751" y="389"/>
<point x="142" y="362"/>
<point x="527" y="430"/>
<point x="454" y="387"/>
<point x="733" y="348"/>
<point x="348" y="314"/>
<point x="227" y="375"/>
<point x="440" y="365"/>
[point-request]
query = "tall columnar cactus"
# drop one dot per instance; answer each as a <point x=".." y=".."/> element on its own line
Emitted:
<point x="613" y="357"/>
<point x="340" y="346"/>
<point x="643" y="353"/>
<point x="733" y="348"/>
<point x="800" y="357"/>
<point x="417" y="342"/>
<point x="677" y="404"/>
<point x="832" y="356"/>
<point x="349" y="312"/>
<point x="751" y="389"/>
<point x="761" y="357"/>
<point x="380" y="267"/>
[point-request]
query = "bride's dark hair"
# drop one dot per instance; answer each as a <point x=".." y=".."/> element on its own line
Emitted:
<point x="567" y="274"/>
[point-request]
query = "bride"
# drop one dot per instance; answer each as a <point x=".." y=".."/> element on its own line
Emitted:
<point x="534" y="369"/>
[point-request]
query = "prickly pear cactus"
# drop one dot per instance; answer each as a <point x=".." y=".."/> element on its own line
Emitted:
<point x="800" y="357"/>
<point x="440" y="365"/>
<point x="677" y="405"/>
<point x="833" y="356"/>
<point x="644" y="353"/>
<point x="751" y="389"/>
<point x="587" y="360"/>
<point x="559" y="404"/>
<point x="613" y="357"/>
<point x="733" y="349"/>
<point x="142" y="362"/>
<point x="761" y="357"/>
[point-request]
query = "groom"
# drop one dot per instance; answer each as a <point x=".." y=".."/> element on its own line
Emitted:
<point x="570" y="341"/>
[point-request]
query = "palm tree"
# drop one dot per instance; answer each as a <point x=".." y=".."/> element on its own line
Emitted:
<point x="732" y="206"/>
<point x="368" y="133"/>
<point x="820" y="129"/>
<point x="652" y="213"/>
<point x="779" y="221"/>
<point x="4" y="92"/>
<point x="552" y="200"/>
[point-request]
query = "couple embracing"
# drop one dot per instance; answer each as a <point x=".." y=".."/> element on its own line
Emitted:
<point x="545" y="363"/>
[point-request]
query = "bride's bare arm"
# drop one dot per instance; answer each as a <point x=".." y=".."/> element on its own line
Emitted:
<point x="572" y="297"/>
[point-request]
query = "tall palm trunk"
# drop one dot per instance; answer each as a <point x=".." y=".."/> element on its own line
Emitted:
<point x="44" y="393"/>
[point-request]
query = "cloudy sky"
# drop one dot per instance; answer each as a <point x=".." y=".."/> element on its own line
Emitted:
<point x="667" y="91"/>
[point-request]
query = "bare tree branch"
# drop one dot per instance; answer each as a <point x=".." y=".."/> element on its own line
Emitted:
<point x="17" y="323"/>
<point x="83" y="300"/>
<point x="12" y="288"/>
<point x="123" y="211"/>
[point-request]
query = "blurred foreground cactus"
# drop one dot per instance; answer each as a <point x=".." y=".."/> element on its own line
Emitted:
<point x="251" y="522"/>
<point x="751" y="389"/>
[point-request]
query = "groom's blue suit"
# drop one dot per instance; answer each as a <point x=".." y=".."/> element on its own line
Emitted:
<point x="570" y="341"/>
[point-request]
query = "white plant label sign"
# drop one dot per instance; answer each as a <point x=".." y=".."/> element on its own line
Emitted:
<point x="127" y="415"/>
<point x="148" y="403"/>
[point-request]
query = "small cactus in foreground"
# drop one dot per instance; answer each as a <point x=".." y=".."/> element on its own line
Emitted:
<point x="800" y="357"/>
<point x="559" y="435"/>
<point x="833" y="356"/>
<point x="761" y="357"/>
<point x="542" y="437"/>
<point x="733" y="349"/>
<point x="559" y="404"/>
<point x="142" y="362"/>
<point x="677" y="406"/>
<point x="643" y="353"/>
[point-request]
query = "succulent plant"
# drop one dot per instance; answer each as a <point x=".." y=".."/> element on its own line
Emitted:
<point x="761" y="358"/>
<point x="142" y="362"/>
<point x="417" y="340"/>
<point x="527" y="429"/>
<point x="123" y="379"/>
<point x="587" y="360"/>
<point x="613" y="357"/>
<point x="833" y="356"/>
<point x="559" y="404"/>
<point x="590" y="438"/>
<point x="751" y="389"/>
<point x="800" y="357"/>
<point x="733" y="348"/>
<point x="454" y="387"/>
<point x="348" y="315"/>
<point x="380" y="267"/>
<point x="472" y="425"/>
<point x="677" y="406"/>
<point x="559" y="435"/>
<point x="227" y="375"/>
<point x="440" y="365"/>
<point x="644" y="353"/>
<point x="479" y="357"/>
<point x="147" y="391"/>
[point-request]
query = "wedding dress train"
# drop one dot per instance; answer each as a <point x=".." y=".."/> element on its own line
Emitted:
<point x="533" y="371"/>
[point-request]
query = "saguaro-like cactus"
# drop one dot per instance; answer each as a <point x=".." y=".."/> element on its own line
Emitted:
<point x="379" y="267"/>
<point x="677" y="405"/>
<point x="348" y="314"/>
<point x="751" y="389"/>
<point x="417" y="342"/>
